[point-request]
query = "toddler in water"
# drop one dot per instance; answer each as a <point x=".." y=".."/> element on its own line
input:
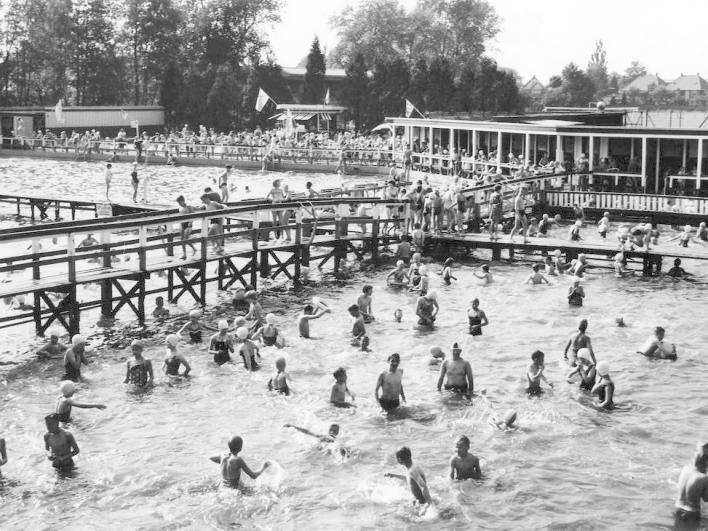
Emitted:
<point x="446" y="272"/>
<point x="574" y="232"/>
<point x="160" y="312"/>
<point x="338" y="397"/>
<point x="279" y="382"/>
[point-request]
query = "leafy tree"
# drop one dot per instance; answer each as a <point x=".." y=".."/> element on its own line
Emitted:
<point x="597" y="67"/>
<point x="356" y="91"/>
<point x="314" y="90"/>
<point x="170" y="92"/>
<point x="417" y="90"/>
<point x="635" y="70"/>
<point x="441" y="85"/>
<point x="223" y="99"/>
<point x="389" y="86"/>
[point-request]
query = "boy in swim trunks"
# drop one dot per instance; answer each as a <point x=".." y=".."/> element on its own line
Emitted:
<point x="65" y="402"/>
<point x="340" y="390"/>
<point x="577" y="341"/>
<point x="358" y="329"/>
<point x="692" y="488"/>
<point x="536" y="277"/>
<point x="414" y="476"/>
<point x="391" y="384"/>
<point x="60" y="444"/>
<point x="279" y="382"/>
<point x="307" y="315"/>
<point x="534" y="374"/>
<point x="232" y="464"/>
<point x="364" y="303"/>
<point x="464" y="465"/>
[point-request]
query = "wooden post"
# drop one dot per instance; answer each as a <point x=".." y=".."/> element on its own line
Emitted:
<point x="376" y="216"/>
<point x="656" y="170"/>
<point x="496" y="253"/>
<point x="57" y="209"/>
<point x="170" y="285"/>
<point x="74" y="311"/>
<point x="37" y="307"/>
<point x="71" y="255"/>
<point x="644" y="163"/>
<point x="106" y="284"/>
<point x="265" y="268"/>
<point x="337" y="237"/>
<point x="298" y="247"/>
<point x="527" y="148"/>
<point x="254" y="258"/>
<point x="18" y="207"/>
<point x="142" y="265"/>
<point x="499" y="151"/>
<point x="699" y="163"/>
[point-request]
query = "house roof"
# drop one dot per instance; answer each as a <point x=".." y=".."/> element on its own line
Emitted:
<point x="533" y="84"/>
<point x="688" y="83"/>
<point x="644" y="83"/>
<point x="290" y="71"/>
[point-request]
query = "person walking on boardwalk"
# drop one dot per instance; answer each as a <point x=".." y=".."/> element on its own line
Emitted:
<point x="495" y="211"/>
<point x="520" y="219"/>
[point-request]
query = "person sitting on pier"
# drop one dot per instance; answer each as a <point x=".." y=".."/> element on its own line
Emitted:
<point x="53" y="349"/>
<point x="692" y="488"/>
<point x="221" y="343"/>
<point x="485" y="276"/>
<point x="576" y="293"/>
<point x="160" y="312"/>
<point x="248" y="350"/>
<point x="364" y="303"/>
<point x="307" y="315"/>
<point x="399" y="276"/>
<point x="655" y="347"/>
<point x="604" y="388"/>
<point x="677" y="271"/>
<point x="138" y="371"/>
<point x="215" y="224"/>
<point x="74" y="357"/>
<point x="65" y="402"/>
<point x="174" y="359"/>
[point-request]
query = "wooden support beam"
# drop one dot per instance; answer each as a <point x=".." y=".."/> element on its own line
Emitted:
<point x="264" y="266"/>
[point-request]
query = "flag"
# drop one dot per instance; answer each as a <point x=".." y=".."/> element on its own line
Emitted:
<point x="262" y="99"/>
<point x="410" y="108"/>
<point x="59" y="112"/>
<point x="326" y="102"/>
<point x="123" y="113"/>
<point x="134" y="124"/>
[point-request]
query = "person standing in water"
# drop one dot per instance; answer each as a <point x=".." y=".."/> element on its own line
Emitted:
<point x="135" y="181"/>
<point x="307" y="315"/>
<point x="458" y="373"/>
<point x="340" y="390"/>
<point x="655" y="347"/>
<point x="232" y="464"/>
<point x="279" y="381"/>
<point x="604" y="388"/>
<point x="427" y="309"/>
<point x="173" y="358"/>
<point x="692" y="488"/>
<point x="74" y="357"/>
<point x="390" y="383"/>
<point x="364" y="303"/>
<point x="53" y="349"/>
<point x="60" y="445"/>
<point x="138" y="371"/>
<point x="577" y="341"/>
<point x="65" y="402"/>
<point x="108" y="175"/>
<point x="534" y="374"/>
<point x="221" y="343"/>
<point x="464" y="465"/>
<point x="576" y="293"/>
<point x="414" y="476"/>
<point x="477" y="318"/>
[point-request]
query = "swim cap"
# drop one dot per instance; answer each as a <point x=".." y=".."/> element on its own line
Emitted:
<point x="687" y="228"/>
<point x="172" y="340"/>
<point x="578" y="223"/>
<point x="603" y="368"/>
<point x="195" y="313"/>
<point x="250" y="294"/>
<point x="67" y="388"/>
<point x="584" y="353"/>
<point x="137" y="343"/>
<point x="239" y="321"/>
<point x="270" y="318"/>
<point x="400" y="263"/>
<point x="436" y="352"/>
<point x="557" y="253"/>
<point x="432" y="294"/>
<point x="223" y="324"/>
<point x="510" y="417"/>
<point x="619" y="256"/>
<point x="77" y="340"/>
<point x="242" y="332"/>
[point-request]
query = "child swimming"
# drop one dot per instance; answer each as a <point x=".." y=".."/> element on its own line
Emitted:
<point x="446" y="272"/>
<point x="307" y="315"/>
<point x="279" y="382"/>
<point x="340" y="390"/>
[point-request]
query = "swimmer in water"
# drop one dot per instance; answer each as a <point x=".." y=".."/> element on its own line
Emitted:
<point x="620" y="265"/>
<point x="358" y="330"/>
<point x="508" y="423"/>
<point x="677" y="271"/>
<point x="391" y="384"/>
<point x="605" y="387"/>
<point x="255" y="311"/>
<point x="307" y="315"/>
<point x="195" y="326"/>
<point x="577" y="341"/>
<point x="476" y="318"/>
<point x="60" y="445"/>
<point x="692" y="488"/>
<point x="485" y="275"/>
<point x="534" y="374"/>
<point x="437" y="356"/>
<point x="536" y="277"/>
<point x="684" y="237"/>
<point x="174" y="359"/>
<point x="655" y="347"/>
<point x="279" y="381"/>
<point x="414" y="476"/>
<point x="560" y="264"/>
<point x="364" y="303"/>
<point x="550" y="267"/>
<point x="398" y="315"/>
<point x="399" y="276"/>
<point x="221" y="344"/>
<point x="458" y="373"/>
<point x="603" y="226"/>
<point x="464" y="465"/>
<point x="331" y="436"/>
<point x="74" y="357"/>
<point x="340" y="390"/>
<point x="574" y="232"/>
<point x="446" y="272"/>
<point x="65" y="402"/>
<point x="268" y="333"/>
<point x="585" y="368"/>
<point x="576" y="293"/>
<point x="247" y="349"/>
<point x="138" y="371"/>
<point x="427" y="309"/>
<point x="580" y="266"/>
<point x="53" y="349"/>
<point x="3" y="454"/>
<point x="232" y="464"/>
<point x="160" y="312"/>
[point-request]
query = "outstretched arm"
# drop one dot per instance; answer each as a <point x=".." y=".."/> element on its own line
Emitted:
<point x="88" y="406"/>
<point x="302" y="430"/>
<point x="251" y="473"/>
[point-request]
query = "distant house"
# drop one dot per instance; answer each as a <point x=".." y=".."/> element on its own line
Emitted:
<point x="533" y="88"/>
<point x="690" y="88"/>
<point x="335" y="79"/>
<point x="645" y="83"/>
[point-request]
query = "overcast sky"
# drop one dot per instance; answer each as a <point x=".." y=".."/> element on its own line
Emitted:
<point x="541" y="36"/>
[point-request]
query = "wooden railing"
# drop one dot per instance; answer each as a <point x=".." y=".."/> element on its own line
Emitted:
<point x="635" y="202"/>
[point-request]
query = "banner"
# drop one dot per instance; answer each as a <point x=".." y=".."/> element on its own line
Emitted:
<point x="262" y="99"/>
<point x="410" y="108"/>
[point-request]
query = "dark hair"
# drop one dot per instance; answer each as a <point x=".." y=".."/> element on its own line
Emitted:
<point x="448" y="261"/>
<point x="52" y="416"/>
<point x="339" y="372"/>
<point x="659" y="330"/>
<point x="677" y="262"/>
<point x="309" y="308"/>
<point x="416" y="226"/>
<point x="367" y="288"/>
<point x="464" y="439"/>
<point x="207" y="189"/>
<point x="203" y="197"/>
<point x="394" y="356"/>
<point x="536" y="267"/>
<point x="583" y="325"/>
<point x="485" y="267"/>
<point x="228" y="166"/>
<point x="403" y="454"/>
<point x="235" y="444"/>
<point x="353" y="307"/>
<point x="308" y="184"/>
<point x="180" y="198"/>
<point x="537" y="355"/>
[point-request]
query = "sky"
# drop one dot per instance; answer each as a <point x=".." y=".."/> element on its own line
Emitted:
<point x="539" y="37"/>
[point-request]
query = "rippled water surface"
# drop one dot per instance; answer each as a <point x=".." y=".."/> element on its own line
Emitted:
<point x="144" y="460"/>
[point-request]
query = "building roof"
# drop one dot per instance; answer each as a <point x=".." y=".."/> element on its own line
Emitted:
<point x="297" y="107"/>
<point x="532" y="85"/>
<point x="644" y="83"/>
<point x="289" y="71"/>
<point x="688" y="83"/>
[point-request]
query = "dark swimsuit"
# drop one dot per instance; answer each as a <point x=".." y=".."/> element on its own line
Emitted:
<point x="195" y="336"/>
<point x="138" y="375"/>
<point x="543" y="227"/>
<point x="389" y="405"/>
<point x="172" y="365"/>
<point x="462" y="389"/>
<point x="222" y="354"/>
<point x="474" y="323"/>
<point x="575" y="299"/>
<point x="588" y="385"/>
<point x="70" y="373"/>
<point x="534" y="390"/>
<point x="269" y="341"/>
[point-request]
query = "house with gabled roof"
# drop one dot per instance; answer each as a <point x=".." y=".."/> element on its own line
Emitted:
<point x="645" y="83"/>
<point x="533" y="87"/>
<point x="689" y="87"/>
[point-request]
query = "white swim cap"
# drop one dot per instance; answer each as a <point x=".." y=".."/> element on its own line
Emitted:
<point x="195" y="313"/>
<point x="432" y="294"/>
<point x="77" y="340"/>
<point x="557" y="253"/>
<point x="687" y="228"/>
<point x="400" y="263"/>
<point x="578" y="223"/>
<point x="603" y="368"/>
<point x="436" y="352"/>
<point x="584" y="353"/>
<point x="172" y="340"/>
<point x="270" y="318"/>
<point x="423" y="270"/>
<point x="223" y="324"/>
<point x="67" y="388"/>
<point x="242" y="332"/>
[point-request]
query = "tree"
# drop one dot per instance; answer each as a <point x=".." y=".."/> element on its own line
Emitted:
<point x="356" y="91"/>
<point x="223" y="99"/>
<point x="441" y="85"/>
<point x="170" y="92"/>
<point x="597" y="67"/>
<point x="314" y="74"/>
<point x="635" y="70"/>
<point x="417" y="89"/>
<point x="389" y="86"/>
<point x="268" y="76"/>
